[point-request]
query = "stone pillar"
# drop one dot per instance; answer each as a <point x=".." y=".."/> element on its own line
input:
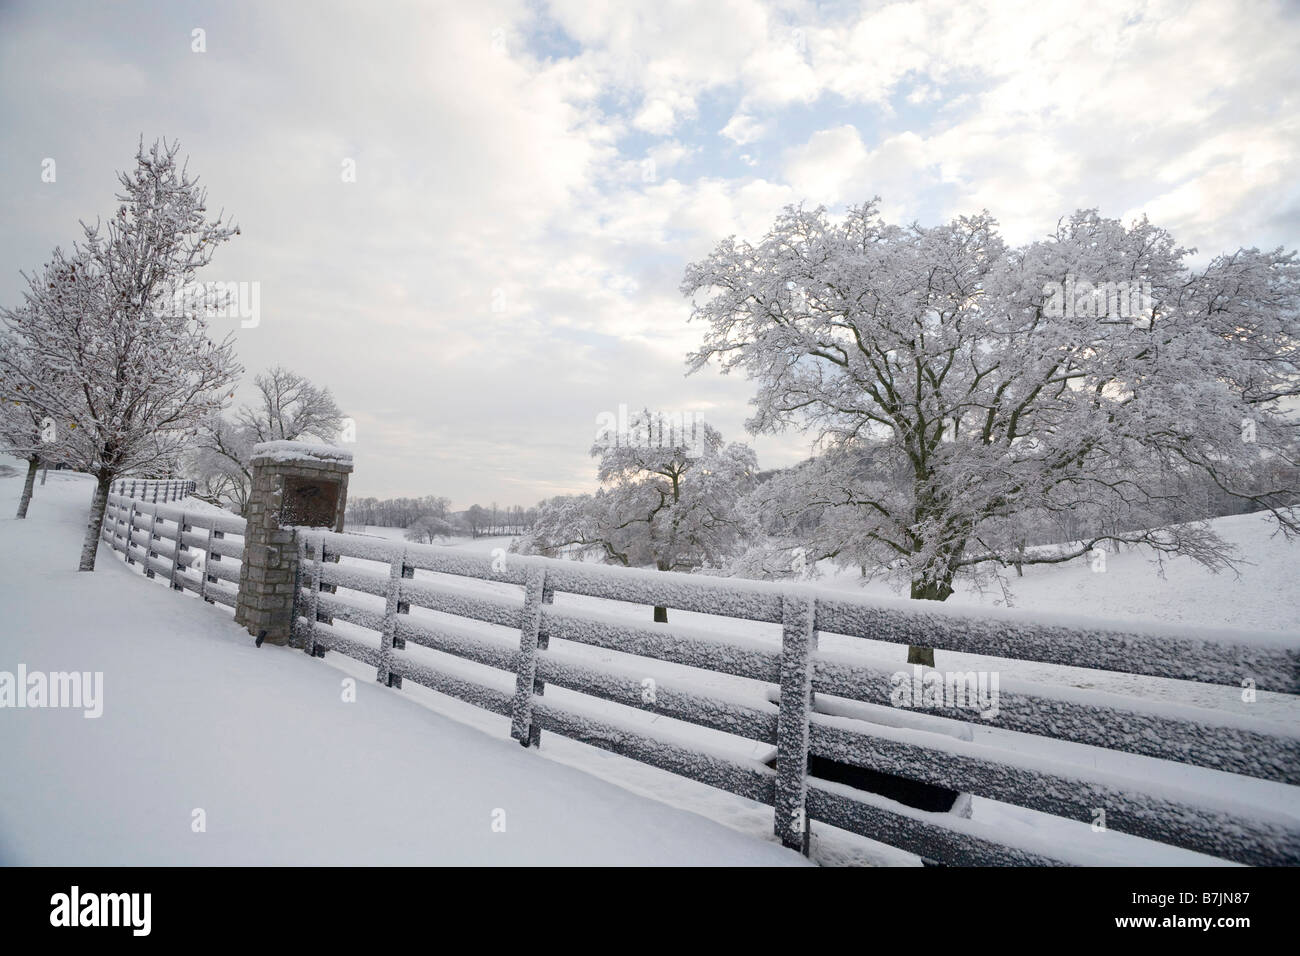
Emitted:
<point x="295" y="484"/>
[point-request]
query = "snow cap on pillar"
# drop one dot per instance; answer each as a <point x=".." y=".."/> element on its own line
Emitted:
<point x="290" y="451"/>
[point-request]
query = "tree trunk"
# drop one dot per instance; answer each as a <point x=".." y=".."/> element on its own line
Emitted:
<point x="920" y="655"/>
<point x="95" y="524"/>
<point x="45" y="471"/>
<point x="28" y="485"/>
<point x="661" y="615"/>
<point x="932" y="591"/>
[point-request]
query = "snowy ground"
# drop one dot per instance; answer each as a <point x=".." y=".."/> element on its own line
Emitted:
<point x="196" y="641"/>
<point x="197" y="719"/>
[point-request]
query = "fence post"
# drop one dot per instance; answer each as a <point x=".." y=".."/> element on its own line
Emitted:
<point x="207" y="556"/>
<point x="176" y="552"/>
<point x="117" y="520"/>
<point x="403" y="607"/>
<point x="109" y="512"/>
<point x="296" y="638"/>
<point x="149" y="552"/>
<point x="388" y="634"/>
<point x="798" y="642"/>
<point x="521" y="709"/>
<point x="130" y="526"/>
<point x="313" y="589"/>
<point x="539" y="686"/>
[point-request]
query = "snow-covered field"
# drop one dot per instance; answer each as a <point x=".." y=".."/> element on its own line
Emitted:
<point x="195" y="718"/>
<point x="195" y="700"/>
<point x="1263" y="595"/>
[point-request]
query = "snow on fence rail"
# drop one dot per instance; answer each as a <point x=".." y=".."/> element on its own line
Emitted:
<point x="153" y="490"/>
<point x="1133" y="803"/>
<point x="163" y="539"/>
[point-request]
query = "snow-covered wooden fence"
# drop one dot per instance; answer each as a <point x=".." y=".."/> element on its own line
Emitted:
<point x="153" y="490"/>
<point x="808" y="710"/>
<point x="196" y="550"/>
<point x="372" y="624"/>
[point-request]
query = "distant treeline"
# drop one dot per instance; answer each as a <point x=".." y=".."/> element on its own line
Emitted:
<point x="430" y="517"/>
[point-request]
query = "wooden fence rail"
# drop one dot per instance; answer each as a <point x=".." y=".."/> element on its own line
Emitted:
<point x="806" y="683"/>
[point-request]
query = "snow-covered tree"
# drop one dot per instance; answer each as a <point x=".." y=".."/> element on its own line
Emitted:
<point x="963" y="391"/>
<point x="20" y="436"/>
<point x="137" y="372"/>
<point x="27" y="431"/>
<point x="221" y="462"/>
<point x="433" y="526"/>
<point x="477" y="517"/>
<point x="288" y="408"/>
<point x="670" y="505"/>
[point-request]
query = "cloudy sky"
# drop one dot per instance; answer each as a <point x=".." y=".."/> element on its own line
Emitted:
<point x="531" y="179"/>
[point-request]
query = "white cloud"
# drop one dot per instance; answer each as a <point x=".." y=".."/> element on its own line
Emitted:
<point x="655" y="117"/>
<point x="822" y="169"/>
<point x="743" y="129"/>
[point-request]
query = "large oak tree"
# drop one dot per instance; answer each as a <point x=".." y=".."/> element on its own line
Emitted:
<point x="963" y="391"/>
